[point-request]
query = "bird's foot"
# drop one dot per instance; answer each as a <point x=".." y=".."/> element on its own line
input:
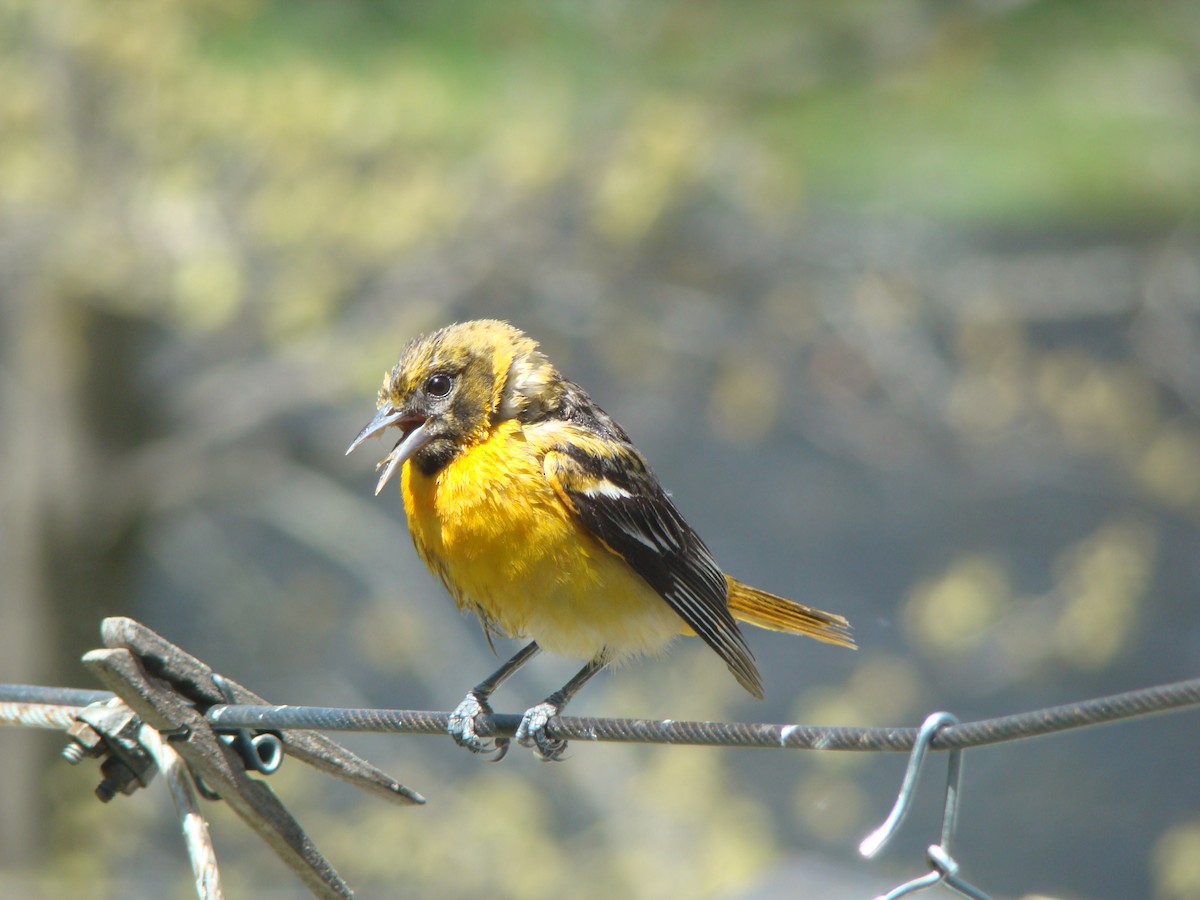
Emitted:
<point x="464" y="724"/>
<point x="532" y="732"/>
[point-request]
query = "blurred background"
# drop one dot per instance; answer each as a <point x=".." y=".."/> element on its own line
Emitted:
<point x="901" y="298"/>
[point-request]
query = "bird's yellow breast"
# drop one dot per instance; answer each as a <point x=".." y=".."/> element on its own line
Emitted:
<point x="491" y="525"/>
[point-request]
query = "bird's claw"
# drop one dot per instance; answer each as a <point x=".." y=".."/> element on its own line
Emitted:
<point x="532" y="732"/>
<point x="465" y="720"/>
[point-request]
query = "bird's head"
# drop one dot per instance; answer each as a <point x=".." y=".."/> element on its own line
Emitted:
<point x="451" y="387"/>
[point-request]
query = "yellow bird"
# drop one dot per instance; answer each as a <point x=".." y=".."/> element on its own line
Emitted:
<point x="541" y="517"/>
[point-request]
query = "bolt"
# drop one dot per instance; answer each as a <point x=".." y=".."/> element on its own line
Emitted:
<point x="106" y="790"/>
<point x="85" y="742"/>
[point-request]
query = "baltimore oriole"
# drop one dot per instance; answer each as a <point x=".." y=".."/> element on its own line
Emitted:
<point x="540" y="516"/>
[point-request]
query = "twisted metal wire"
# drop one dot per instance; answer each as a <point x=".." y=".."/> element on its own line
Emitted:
<point x="1113" y="708"/>
<point x="38" y="715"/>
<point x="57" y="707"/>
<point x="51" y="696"/>
<point x="192" y="824"/>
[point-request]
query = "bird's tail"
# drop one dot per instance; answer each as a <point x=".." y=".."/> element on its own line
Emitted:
<point x="766" y="610"/>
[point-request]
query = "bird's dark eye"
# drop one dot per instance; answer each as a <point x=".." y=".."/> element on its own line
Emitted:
<point x="439" y="385"/>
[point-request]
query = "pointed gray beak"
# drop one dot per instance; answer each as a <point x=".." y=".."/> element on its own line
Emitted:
<point x="415" y="436"/>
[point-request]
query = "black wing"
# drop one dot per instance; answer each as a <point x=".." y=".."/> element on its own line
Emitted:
<point x="617" y="498"/>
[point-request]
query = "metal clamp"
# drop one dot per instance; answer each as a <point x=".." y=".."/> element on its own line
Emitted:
<point x="157" y="721"/>
<point x="109" y="729"/>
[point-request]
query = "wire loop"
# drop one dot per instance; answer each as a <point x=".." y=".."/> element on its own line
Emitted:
<point x="945" y="867"/>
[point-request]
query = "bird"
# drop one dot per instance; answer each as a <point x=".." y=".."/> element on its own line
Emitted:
<point x="540" y="516"/>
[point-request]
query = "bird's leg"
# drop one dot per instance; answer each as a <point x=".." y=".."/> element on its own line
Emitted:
<point x="532" y="731"/>
<point x="466" y="715"/>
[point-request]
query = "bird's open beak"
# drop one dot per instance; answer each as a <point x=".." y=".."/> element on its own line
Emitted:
<point x="415" y="435"/>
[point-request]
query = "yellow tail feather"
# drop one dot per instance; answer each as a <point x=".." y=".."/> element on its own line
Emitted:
<point x="765" y="610"/>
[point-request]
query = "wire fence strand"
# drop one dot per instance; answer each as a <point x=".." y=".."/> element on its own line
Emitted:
<point x="46" y="707"/>
<point x="1113" y="708"/>
<point x="53" y="696"/>
<point x="37" y="715"/>
<point x="18" y="705"/>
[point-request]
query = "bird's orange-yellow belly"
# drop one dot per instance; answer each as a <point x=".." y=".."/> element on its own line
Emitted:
<point x="506" y="545"/>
